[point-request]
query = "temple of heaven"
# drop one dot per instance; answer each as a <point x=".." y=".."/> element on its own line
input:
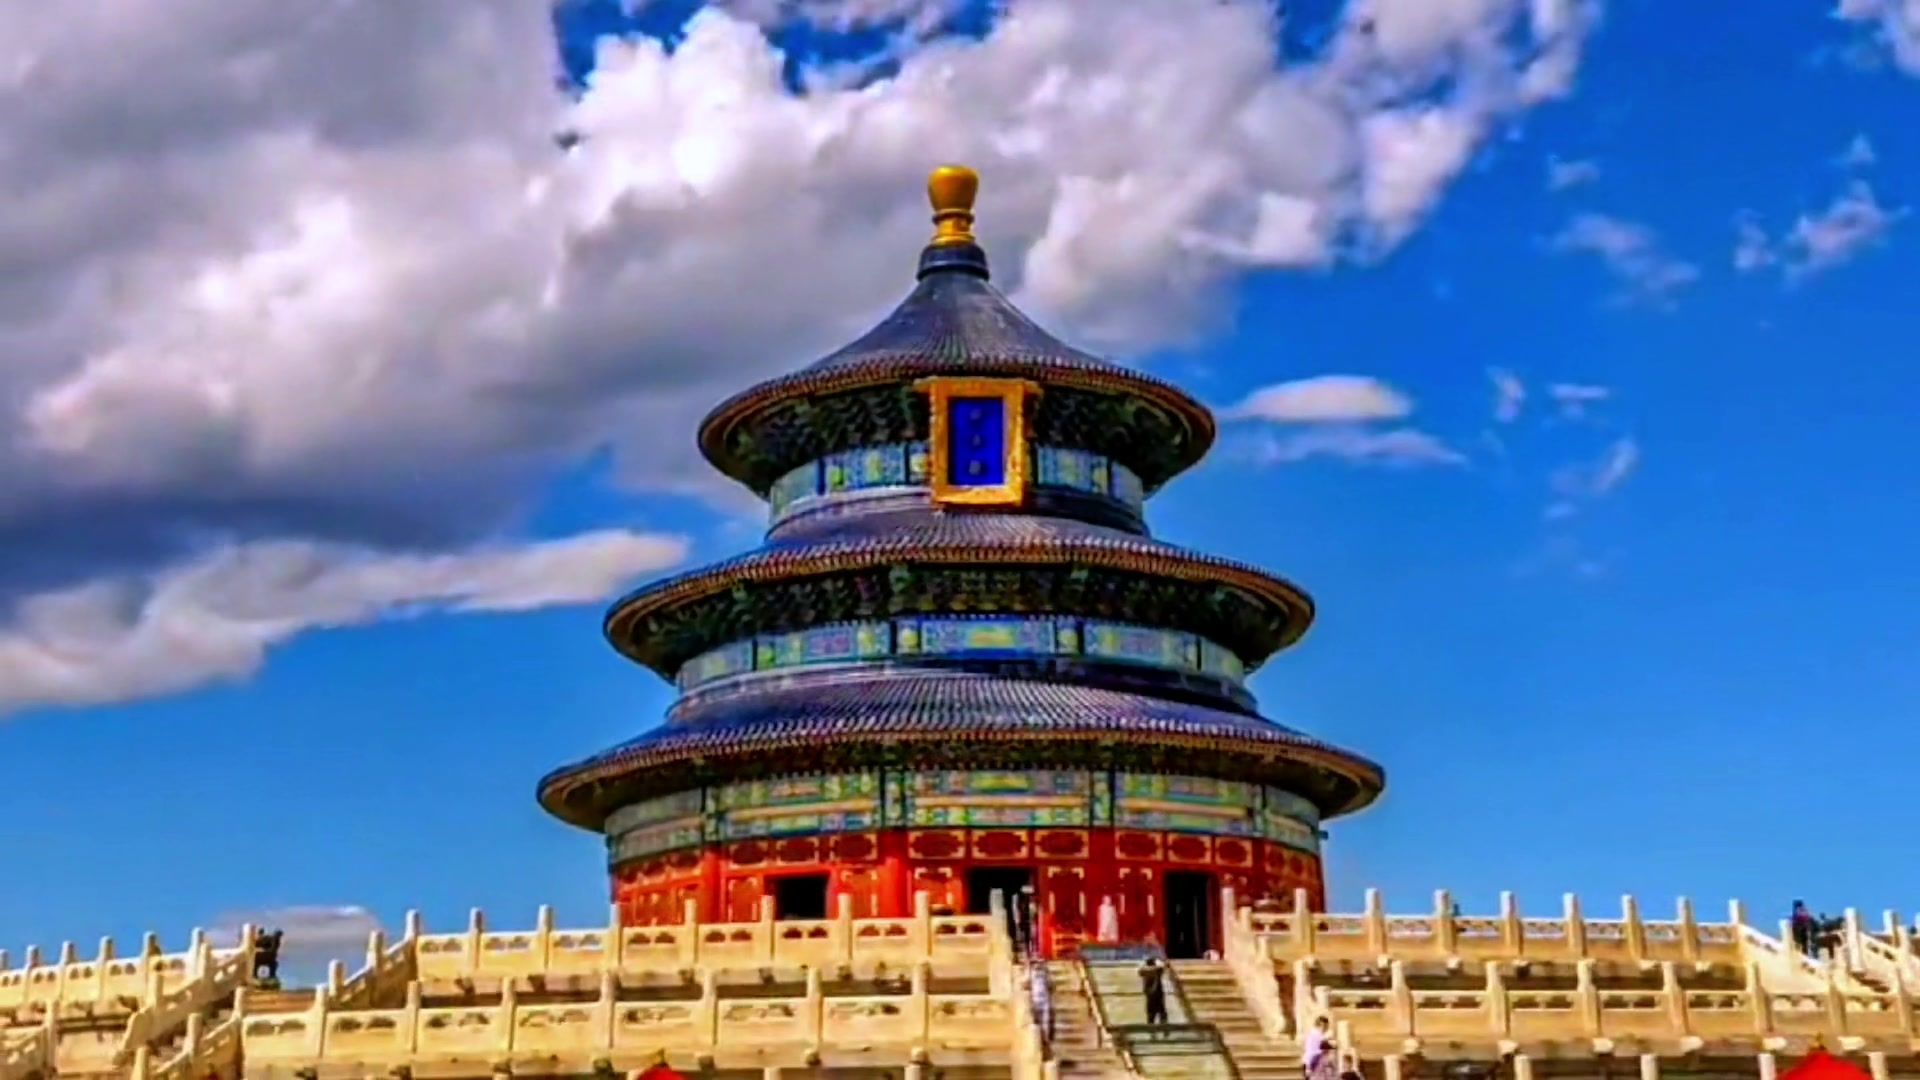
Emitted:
<point x="960" y="662"/>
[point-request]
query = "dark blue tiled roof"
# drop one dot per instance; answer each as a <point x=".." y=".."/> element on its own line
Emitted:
<point x="951" y="707"/>
<point x="958" y="320"/>
<point x="881" y="537"/>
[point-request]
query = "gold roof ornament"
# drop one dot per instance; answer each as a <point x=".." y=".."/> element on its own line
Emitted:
<point x="951" y="190"/>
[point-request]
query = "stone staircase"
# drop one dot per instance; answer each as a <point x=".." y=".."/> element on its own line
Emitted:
<point x="1214" y="996"/>
<point x="1078" y="1046"/>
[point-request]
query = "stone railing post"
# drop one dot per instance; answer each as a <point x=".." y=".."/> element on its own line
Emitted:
<point x="100" y="964"/>
<point x="1499" y="1013"/>
<point x="919" y="1008"/>
<point x="1855" y="956"/>
<point x="1576" y="928"/>
<point x="1768" y="1065"/>
<point x="503" y="1017"/>
<point x="922" y="925"/>
<point x="1689" y="932"/>
<point x="707" y="1013"/>
<point x="543" y="936"/>
<point x="317" y="1024"/>
<point x="410" y="1017"/>
<point x="336" y="978"/>
<point x="1305" y="933"/>
<point x="606" y="1005"/>
<point x="1836" y="1007"/>
<point x="1649" y="1067"/>
<point x="1391" y="1068"/>
<point x="1903" y="1001"/>
<point x="142" y="1064"/>
<point x="1375" y="920"/>
<point x="1446" y="932"/>
<point x="1512" y="941"/>
<point x="1675" y="998"/>
<point x="1759" y="1001"/>
<point x="613" y="955"/>
<point x="1877" y="1065"/>
<point x="476" y="926"/>
<point x="843" y="930"/>
<point x="1587" y="996"/>
<point x="765" y="930"/>
<point x="1522" y="1067"/>
<point x="1632" y="929"/>
<point x="690" y="934"/>
<point x="810" y="1010"/>
<point x="1403" y="1004"/>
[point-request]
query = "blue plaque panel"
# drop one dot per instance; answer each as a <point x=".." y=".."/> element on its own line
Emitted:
<point x="976" y="442"/>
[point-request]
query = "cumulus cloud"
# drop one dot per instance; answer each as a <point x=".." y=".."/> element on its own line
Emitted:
<point x="317" y="274"/>
<point x="1852" y="224"/>
<point x="1893" y="24"/>
<point x="1632" y="254"/>
<point x="213" y="619"/>
<point x="1334" y="416"/>
<point x="1323" y="398"/>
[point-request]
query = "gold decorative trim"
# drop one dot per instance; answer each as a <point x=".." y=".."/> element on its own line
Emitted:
<point x="1013" y="395"/>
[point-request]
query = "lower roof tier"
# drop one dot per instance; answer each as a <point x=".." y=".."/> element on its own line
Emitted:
<point x="958" y="563"/>
<point x="953" y="719"/>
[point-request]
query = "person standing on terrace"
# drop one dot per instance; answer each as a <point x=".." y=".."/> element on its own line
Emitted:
<point x="1319" y="1055"/>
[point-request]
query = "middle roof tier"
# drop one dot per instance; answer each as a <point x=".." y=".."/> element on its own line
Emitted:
<point x="930" y="562"/>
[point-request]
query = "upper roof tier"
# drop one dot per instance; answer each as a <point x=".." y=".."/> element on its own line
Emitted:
<point x="955" y="323"/>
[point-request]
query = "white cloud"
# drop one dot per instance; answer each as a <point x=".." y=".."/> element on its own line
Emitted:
<point x="1509" y="395"/>
<point x="317" y="275"/>
<point x="1633" y="255"/>
<point x="1894" y="24"/>
<point x="1359" y="445"/>
<point x="1323" y="398"/>
<point x="1562" y="174"/>
<point x="1575" y="399"/>
<point x="214" y="619"/>
<point x="1852" y="224"/>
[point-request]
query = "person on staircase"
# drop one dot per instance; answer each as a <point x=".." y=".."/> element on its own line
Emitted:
<point x="1805" y="928"/>
<point x="1153" y="986"/>
<point x="1319" y="1055"/>
<point x="1040" y="991"/>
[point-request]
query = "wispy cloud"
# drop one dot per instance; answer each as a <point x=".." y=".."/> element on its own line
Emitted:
<point x="1599" y="478"/>
<point x="1563" y="174"/>
<point x="1852" y="224"/>
<point x="1395" y="446"/>
<point x="1632" y="254"/>
<point x="1509" y="395"/>
<point x="1858" y="155"/>
<point x="1576" y="399"/>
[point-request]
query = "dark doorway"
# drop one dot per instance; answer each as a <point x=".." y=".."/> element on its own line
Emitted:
<point x="983" y="880"/>
<point x="1189" y="925"/>
<point x="800" y="896"/>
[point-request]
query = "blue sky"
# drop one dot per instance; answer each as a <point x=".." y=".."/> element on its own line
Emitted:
<point x="1646" y="632"/>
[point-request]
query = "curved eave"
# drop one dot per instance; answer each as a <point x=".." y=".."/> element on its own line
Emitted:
<point x="716" y="431"/>
<point x="586" y="792"/>
<point x="774" y="564"/>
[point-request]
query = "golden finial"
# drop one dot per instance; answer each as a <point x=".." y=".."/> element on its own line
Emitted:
<point x="951" y="189"/>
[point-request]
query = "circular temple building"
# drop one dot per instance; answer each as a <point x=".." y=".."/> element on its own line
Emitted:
<point x="960" y="662"/>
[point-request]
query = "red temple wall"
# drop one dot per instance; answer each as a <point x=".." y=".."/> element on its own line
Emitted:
<point x="1073" y="870"/>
